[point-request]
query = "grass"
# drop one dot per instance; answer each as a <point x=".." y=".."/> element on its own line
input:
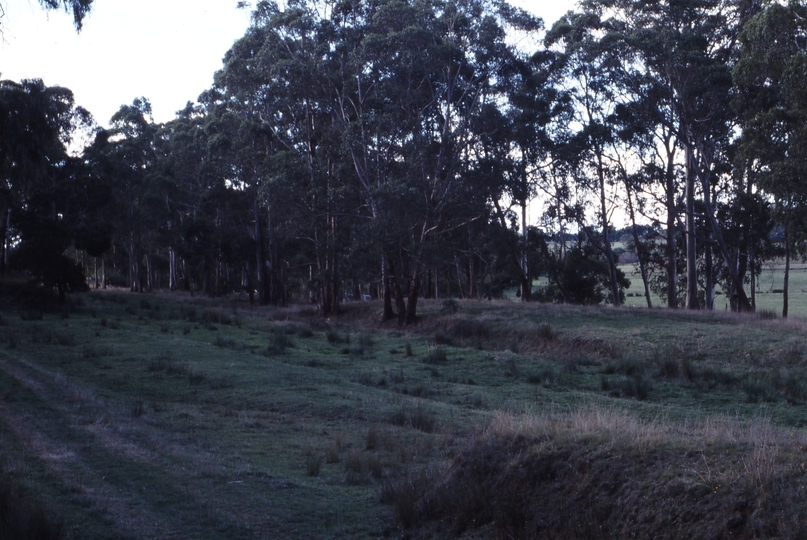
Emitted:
<point x="135" y="418"/>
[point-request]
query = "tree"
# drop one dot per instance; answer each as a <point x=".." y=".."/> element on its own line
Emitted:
<point x="125" y="157"/>
<point x="44" y="190"/>
<point x="79" y="8"/>
<point x="772" y="102"/>
<point x="678" y="57"/>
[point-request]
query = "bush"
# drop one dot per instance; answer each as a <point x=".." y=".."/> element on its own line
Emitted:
<point x="334" y="337"/>
<point x="637" y="386"/>
<point x="436" y="355"/>
<point x="545" y="376"/>
<point x="470" y="329"/>
<point x="545" y="332"/>
<point x="441" y="338"/>
<point x="399" y="417"/>
<point x="423" y="421"/>
<point x="450" y="307"/>
<point x="279" y="342"/>
<point x="372" y="439"/>
<point x="313" y="464"/>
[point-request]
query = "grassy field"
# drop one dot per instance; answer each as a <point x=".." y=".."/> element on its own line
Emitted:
<point x="159" y="416"/>
<point x="768" y="292"/>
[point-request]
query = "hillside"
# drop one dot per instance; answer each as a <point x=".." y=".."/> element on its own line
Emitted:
<point x="156" y="416"/>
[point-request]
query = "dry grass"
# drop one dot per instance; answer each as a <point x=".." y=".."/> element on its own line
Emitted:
<point x="729" y="473"/>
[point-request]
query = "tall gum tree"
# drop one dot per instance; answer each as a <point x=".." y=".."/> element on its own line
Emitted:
<point x="772" y="102"/>
<point x="687" y="49"/>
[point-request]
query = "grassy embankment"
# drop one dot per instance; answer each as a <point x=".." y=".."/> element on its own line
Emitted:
<point x="157" y="416"/>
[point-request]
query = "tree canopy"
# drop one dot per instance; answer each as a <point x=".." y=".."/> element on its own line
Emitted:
<point x="435" y="148"/>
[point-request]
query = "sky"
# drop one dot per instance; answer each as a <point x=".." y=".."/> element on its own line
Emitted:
<point x="164" y="50"/>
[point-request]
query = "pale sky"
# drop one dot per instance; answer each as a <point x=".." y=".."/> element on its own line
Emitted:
<point x="164" y="50"/>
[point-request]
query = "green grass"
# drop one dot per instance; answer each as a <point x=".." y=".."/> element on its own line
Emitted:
<point x="164" y="415"/>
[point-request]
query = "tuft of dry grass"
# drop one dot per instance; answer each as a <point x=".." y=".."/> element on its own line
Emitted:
<point x="503" y="479"/>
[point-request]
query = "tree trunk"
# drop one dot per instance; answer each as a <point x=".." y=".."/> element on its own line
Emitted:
<point x="708" y="269"/>
<point x="525" y="277"/>
<point x="260" y="260"/>
<point x="389" y="314"/>
<point x="459" y="274"/>
<point x="742" y="300"/>
<point x="134" y="265"/>
<point x="6" y="241"/>
<point x="639" y="247"/>
<point x="786" y="284"/>
<point x="691" y="250"/>
<point x="609" y="254"/>
<point x="414" y="291"/>
<point x="753" y="283"/>
<point x="672" y="247"/>
<point x="149" y="272"/>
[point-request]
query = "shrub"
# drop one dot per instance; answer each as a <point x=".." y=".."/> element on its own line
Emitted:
<point x="195" y="377"/>
<point x="332" y="454"/>
<point x="637" y="386"/>
<point x="511" y="369"/>
<point x="313" y="464"/>
<point x="450" y="307"/>
<point x="767" y="314"/>
<point x="441" y="338"/>
<point x="545" y="332"/>
<point x="626" y="366"/>
<point x="375" y="467"/>
<point x="436" y="355"/>
<point x="335" y="337"/>
<point x="467" y="329"/>
<point x="396" y="377"/>
<point x="372" y="438"/>
<point x="279" y="342"/>
<point x="545" y="376"/>
<point x="422" y="420"/>
<point x="224" y="342"/>
<point x="68" y="340"/>
<point x="32" y="315"/>
<point x="403" y="495"/>
<point x="306" y="333"/>
<point x="399" y="417"/>
<point x="669" y="368"/>
<point x="759" y="389"/>
<point x="365" y="379"/>
<point x="138" y="409"/>
<point x="354" y="462"/>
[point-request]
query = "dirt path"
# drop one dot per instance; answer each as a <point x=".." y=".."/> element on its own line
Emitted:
<point x="61" y="440"/>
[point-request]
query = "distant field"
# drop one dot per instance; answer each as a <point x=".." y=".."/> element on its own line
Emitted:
<point x="165" y="416"/>
<point x="768" y="292"/>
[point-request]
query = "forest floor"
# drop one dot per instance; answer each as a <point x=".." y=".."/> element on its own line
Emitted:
<point x="170" y="416"/>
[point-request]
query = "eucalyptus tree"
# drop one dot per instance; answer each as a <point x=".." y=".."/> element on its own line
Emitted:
<point x="417" y="76"/>
<point x="534" y="104"/>
<point x="43" y="187"/>
<point x="273" y="109"/>
<point x="79" y="8"/>
<point x="125" y="156"/>
<point x="591" y="66"/>
<point x="772" y="102"/>
<point x="678" y="57"/>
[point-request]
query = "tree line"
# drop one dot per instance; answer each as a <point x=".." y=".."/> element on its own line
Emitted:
<point x="434" y="148"/>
